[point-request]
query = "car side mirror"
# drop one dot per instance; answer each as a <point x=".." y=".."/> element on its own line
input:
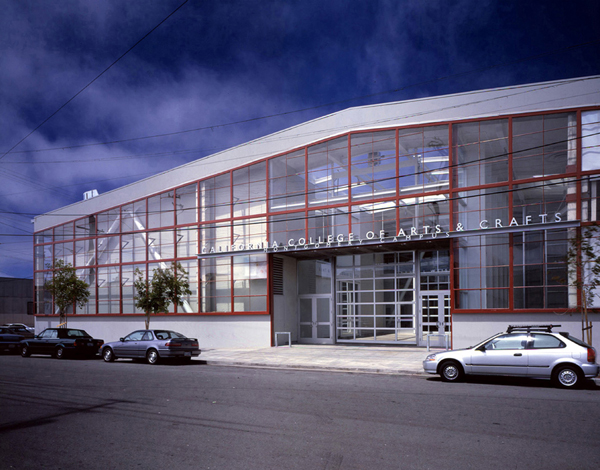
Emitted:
<point x="481" y="348"/>
<point x="122" y="339"/>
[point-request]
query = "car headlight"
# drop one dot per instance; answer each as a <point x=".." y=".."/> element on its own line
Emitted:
<point x="431" y="357"/>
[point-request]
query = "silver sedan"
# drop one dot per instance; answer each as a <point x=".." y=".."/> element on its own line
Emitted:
<point x="521" y="351"/>
<point x="151" y="345"/>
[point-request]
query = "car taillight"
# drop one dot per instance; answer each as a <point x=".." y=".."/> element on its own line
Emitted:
<point x="172" y="344"/>
<point x="591" y="355"/>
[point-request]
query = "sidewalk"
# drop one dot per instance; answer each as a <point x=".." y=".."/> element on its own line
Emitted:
<point x="363" y="359"/>
<point x="366" y="359"/>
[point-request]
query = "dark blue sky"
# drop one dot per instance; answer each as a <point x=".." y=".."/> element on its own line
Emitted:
<point x="219" y="62"/>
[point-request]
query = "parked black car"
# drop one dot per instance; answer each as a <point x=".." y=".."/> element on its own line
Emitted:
<point x="21" y="329"/>
<point x="61" y="342"/>
<point x="9" y="340"/>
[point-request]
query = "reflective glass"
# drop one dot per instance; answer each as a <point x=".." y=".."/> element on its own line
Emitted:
<point x="186" y="204"/>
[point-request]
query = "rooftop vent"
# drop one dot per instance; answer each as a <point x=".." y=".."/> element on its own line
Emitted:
<point x="90" y="194"/>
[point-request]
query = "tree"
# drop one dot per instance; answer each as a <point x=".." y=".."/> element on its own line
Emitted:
<point x="167" y="285"/>
<point x="583" y="258"/>
<point x="66" y="289"/>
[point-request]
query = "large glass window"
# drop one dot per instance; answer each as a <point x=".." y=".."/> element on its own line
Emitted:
<point x="482" y="208"/>
<point x="161" y="245"/>
<point x="378" y="217"/>
<point x="161" y="210"/>
<point x="215" y="284"/>
<point x="190" y="302"/>
<point x="186" y="204"/>
<point x="286" y="227"/>
<point x="423" y="159"/>
<point x="108" y="250"/>
<point x="215" y="198"/>
<point x="481" y="271"/>
<point x="128" y="277"/>
<point x="424" y="214"/>
<point x="250" y="190"/>
<point x="322" y="223"/>
<point x="480" y="153"/>
<point x="540" y="269"/>
<point x="544" y="145"/>
<point x="89" y="277"/>
<point x="109" y="290"/>
<point x="328" y="172"/>
<point x="250" y="283"/>
<point x="287" y="180"/>
<point x="133" y="217"/>
<point x="548" y="201"/>
<point x="373" y="165"/>
<point x="590" y="140"/>
<point x="249" y="233"/>
<point x="108" y="222"/>
<point x="63" y="232"/>
<point x="590" y="198"/>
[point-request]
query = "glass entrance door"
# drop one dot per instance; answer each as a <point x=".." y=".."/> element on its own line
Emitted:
<point x="435" y="317"/>
<point x="315" y="319"/>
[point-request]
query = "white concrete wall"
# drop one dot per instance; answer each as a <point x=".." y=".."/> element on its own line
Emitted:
<point x="285" y="306"/>
<point x="239" y="331"/>
<point x="469" y="329"/>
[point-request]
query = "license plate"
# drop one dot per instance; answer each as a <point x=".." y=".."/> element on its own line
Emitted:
<point x="90" y="344"/>
<point x="188" y="353"/>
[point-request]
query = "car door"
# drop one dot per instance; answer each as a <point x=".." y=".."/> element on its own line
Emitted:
<point x="544" y="350"/>
<point x="502" y="355"/>
<point x="144" y="344"/>
<point x="130" y="346"/>
<point x="42" y="343"/>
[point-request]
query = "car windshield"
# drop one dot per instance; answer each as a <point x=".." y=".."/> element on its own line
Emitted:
<point x="165" y="334"/>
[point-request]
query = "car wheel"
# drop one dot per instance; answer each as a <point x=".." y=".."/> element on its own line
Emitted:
<point x="59" y="353"/>
<point x="451" y="371"/>
<point x="25" y="351"/>
<point x="108" y="355"/>
<point x="567" y="376"/>
<point x="152" y="356"/>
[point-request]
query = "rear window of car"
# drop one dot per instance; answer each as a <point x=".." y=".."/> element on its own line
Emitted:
<point x="546" y="341"/>
<point x="165" y="334"/>
<point x="578" y="341"/>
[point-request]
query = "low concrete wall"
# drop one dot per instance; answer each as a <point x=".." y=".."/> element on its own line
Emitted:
<point x="469" y="329"/>
<point x="240" y="331"/>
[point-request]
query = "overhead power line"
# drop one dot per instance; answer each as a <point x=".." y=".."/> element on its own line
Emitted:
<point x="310" y="108"/>
<point x="91" y="82"/>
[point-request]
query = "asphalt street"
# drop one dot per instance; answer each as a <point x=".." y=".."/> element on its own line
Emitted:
<point x="87" y="414"/>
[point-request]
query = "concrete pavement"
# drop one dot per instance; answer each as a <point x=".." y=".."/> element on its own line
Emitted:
<point x="342" y="358"/>
<point x="396" y="360"/>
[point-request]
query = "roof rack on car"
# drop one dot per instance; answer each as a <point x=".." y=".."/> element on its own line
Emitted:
<point x="529" y="328"/>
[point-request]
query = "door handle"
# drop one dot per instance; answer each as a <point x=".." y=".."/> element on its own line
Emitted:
<point x="518" y="354"/>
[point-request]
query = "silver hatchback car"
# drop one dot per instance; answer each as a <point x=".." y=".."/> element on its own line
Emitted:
<point x="522" y="351"/>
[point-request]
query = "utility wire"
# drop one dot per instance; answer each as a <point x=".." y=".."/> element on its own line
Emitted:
<point x="96" y="78"/>
<point x="310" y="108"/>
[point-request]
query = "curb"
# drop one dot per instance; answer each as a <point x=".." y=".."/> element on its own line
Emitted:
<point x="312" y="368"/>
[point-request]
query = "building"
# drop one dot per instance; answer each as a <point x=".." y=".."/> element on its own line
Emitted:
<point x="16" y="301"/>
<point x="378" y="224"/>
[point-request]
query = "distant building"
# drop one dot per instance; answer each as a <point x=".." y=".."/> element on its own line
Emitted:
<point x="16" y="301"/>
<point x="379" y="224"/>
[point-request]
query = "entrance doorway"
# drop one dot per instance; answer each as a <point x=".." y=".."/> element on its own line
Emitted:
<point x="435" y="316"/>
<point x="315" y="316"/>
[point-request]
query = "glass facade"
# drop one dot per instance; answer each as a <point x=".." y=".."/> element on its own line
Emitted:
<point x="497" y="194"/>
